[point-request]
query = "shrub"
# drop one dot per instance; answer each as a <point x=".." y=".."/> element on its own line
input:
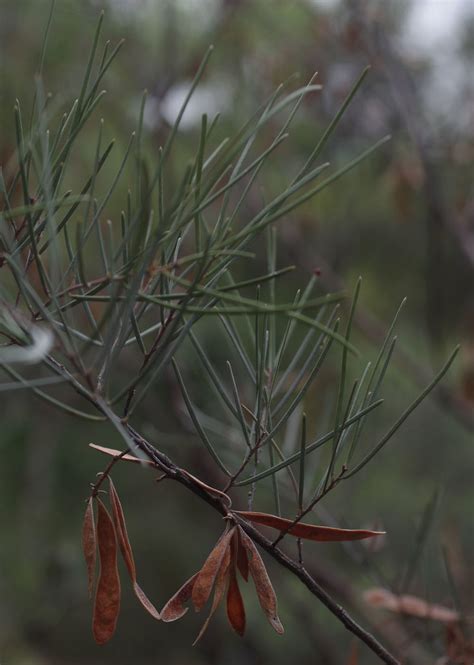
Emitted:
<point x="105" y="307"/>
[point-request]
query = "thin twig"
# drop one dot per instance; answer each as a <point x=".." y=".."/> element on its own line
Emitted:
<point x="311" y="584"/>
<point x="213" y="499"/>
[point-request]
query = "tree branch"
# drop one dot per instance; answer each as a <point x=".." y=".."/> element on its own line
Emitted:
<point x="175" y="473"/>
<point x="216" y="501"/>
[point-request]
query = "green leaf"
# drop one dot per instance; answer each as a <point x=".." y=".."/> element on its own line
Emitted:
<point x="403" y="417"/>
<point x="202" y="435"/>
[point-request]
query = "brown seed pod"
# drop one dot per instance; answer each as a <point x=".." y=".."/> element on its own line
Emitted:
<point x="89" y="544"/>
<point x="126" y="550"/>
<point x="207" y="575"/>
<point x="263" y="586"/>
<point x="235" y="604"/>
<point x="174" y="608"/>
<point x="118" y="453"/>
<point x="241" y="557"/>
<point x="410" y="605"/>
<point x="220" y="583"/>
<point x="107" y="598"/>
<point x="121" y="530"/>
<point x="308" y="531"/>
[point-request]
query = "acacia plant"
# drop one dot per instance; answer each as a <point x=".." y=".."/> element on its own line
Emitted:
<point x="83" y="296"/>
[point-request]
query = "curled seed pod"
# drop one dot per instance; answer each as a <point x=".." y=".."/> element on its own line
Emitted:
<point x="174" y="608"/>
<point x="146" y="602"/>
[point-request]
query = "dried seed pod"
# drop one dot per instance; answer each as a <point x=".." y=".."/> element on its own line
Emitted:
<point x="107" y="598"/>
<point x="89" y="544"/>
<point x="213" y="575"/>
<point x="174" y="608"/>
<point x="241" y="557"/>
<point x="220" y="583"/>
<point x="145" y="601"/>
<point x="410" y="605"/>
<point x="265" y="592"/>
<point x="207" y="575"/>
<point x="235" y="604"/>
<point x="121" y="529"/>
<point x="126" y="550"/>
<point x="308" y="531"/>
<point x="119" y="453"/>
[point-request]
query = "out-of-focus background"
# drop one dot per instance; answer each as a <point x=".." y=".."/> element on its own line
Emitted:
<point x="404" y="220"/>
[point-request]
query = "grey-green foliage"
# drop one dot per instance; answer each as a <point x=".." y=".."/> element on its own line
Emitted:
<point x="137" y="286"/>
